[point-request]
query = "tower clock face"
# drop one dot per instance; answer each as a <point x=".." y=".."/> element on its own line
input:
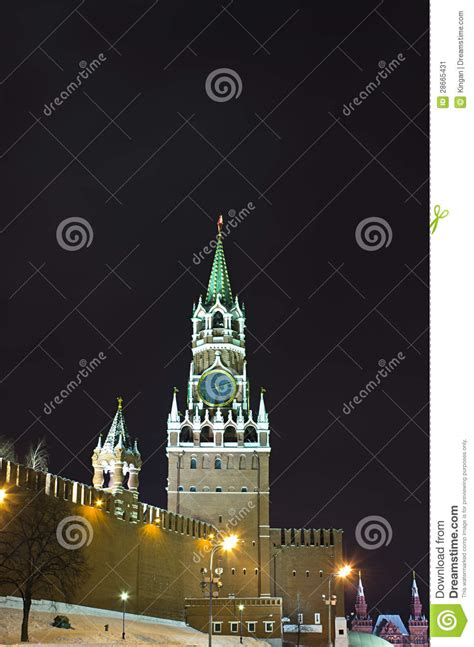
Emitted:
<point x="217" y="388"/>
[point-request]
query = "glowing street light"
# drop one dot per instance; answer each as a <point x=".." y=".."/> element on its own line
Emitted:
<point x="331" y="600"/>
<point x="124" y="598"/>
<point x="230" y="542"/>
<point x="227" y="544"/>
<point x="3" y="495"/>
<point x="344" y="571"/>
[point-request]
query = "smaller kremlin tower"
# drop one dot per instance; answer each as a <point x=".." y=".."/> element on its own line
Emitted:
<point x="117" y="461"/>
<point x="362" y="622"/>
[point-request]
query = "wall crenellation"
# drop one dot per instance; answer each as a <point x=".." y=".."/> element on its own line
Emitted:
<point x="124" y="505"/>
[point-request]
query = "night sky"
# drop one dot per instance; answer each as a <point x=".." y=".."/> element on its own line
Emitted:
<point x="149" y="159"/>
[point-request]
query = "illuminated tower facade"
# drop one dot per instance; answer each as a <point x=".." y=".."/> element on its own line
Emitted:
<point x="218" y="449"/>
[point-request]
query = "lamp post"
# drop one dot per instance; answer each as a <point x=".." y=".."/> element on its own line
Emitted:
<point x="124" y="598"/>
<point x="227" y="544"/>
<point x="241" y="609"/>
<point x="331" y="600"/>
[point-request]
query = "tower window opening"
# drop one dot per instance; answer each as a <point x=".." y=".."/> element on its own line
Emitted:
<point x="192" y="488"/>
<point x="220" y="518"/>
<point x="256" y="571"/>
<point x="294" y="573"/>
<point x="307" y="573"/>
<point x="233" y="571"/>
<point x="180" y="488"/>
<point x="206" y="435"/>
<point x="230" y="434"/>
<point x="218" y="488"/>
<point x="244" y="571"/>
<point x="250" y="435"/>
<point x="244" y="489"/>
<point x="194" y="463"/>
<point x="218" y="463"/>
<point x="186" y="435"/>
<point x="218" y="321"/>
<point x="253" y="543"/>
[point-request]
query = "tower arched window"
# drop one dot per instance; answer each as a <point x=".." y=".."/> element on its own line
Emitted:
<point x="218" y="320"/>
<point x="242" y="463"/>
<point x="194" y="463"/>
<point x="250" y="435"/>
<point x="206" y="435"/>
<point x="218" y="463"/>
<point x="244" y="489"/>
<point x="218" y="488"/>
<point x="230" y="434"/>
<point x="186" y="435"/>
<point x="180" y="488"/>
<point x="192" y="488"/>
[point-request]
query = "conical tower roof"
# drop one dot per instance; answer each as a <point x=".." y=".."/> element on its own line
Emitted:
<point x="219" y="282"/>
<point x="118" y="432"/>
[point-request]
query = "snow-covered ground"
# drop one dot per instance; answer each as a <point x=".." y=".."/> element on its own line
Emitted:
<point x="89" y="630"/>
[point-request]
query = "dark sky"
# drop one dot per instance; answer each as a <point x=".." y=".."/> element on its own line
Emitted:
<point x="149" y="159"/>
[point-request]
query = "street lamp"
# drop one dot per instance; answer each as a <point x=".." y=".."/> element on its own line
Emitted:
<point x="124" y="598"/>
<point x="3" y="495"/>
<point x="331" y="600"/>
<point x="227" y="544"/>
<point x="241" y="609"/>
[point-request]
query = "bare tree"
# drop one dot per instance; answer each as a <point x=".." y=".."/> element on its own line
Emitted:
<point x="7" y="449"/>
<point x="37" y="456"/>
<point x="36" y="560"/>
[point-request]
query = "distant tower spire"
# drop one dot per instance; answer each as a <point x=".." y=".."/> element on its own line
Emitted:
<point x="362" y="622"/>
<point x="219" y="282"/>
<point x="416" y="607"/>
<point x="262" y="412"/>
<point x="174" y="414"/>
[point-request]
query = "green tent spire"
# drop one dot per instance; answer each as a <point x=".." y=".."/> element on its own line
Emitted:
<point x="219" y="282"/>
